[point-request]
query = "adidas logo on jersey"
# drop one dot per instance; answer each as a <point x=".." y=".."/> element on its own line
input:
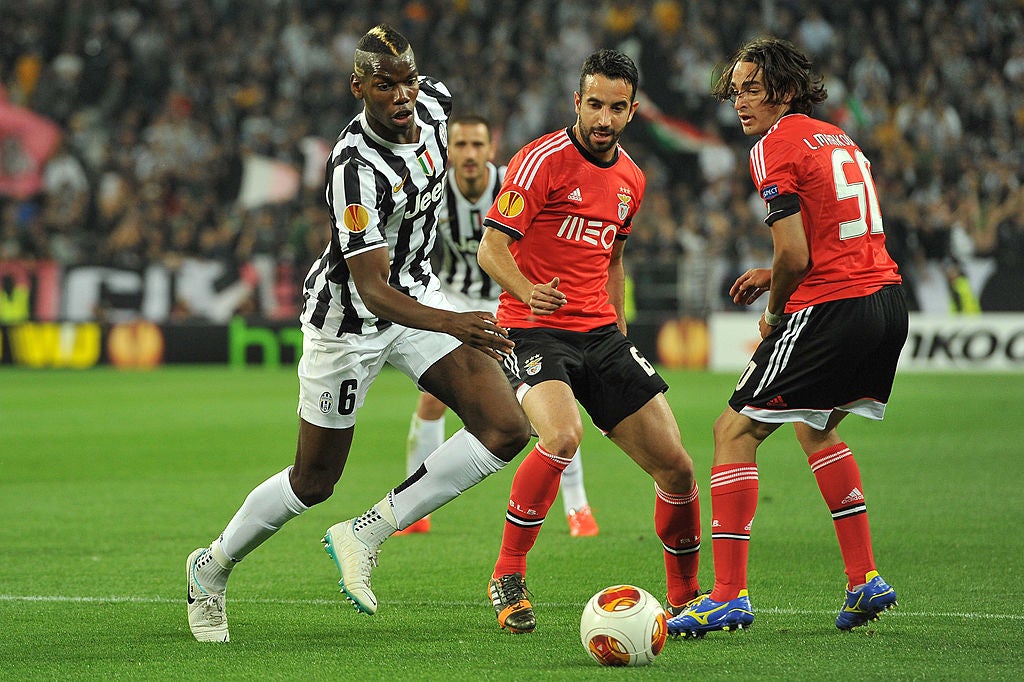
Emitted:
<point x="575" y="195"/>
<point x="855" y="496"/>
<point x="777" y="401"/>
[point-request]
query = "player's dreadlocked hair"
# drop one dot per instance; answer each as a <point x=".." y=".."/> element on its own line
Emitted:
<point x="382" y="39"/>
<point x="612" y="64"/>
<point x="784" y="70"/>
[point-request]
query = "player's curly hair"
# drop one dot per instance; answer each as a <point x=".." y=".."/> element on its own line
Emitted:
<point x="784" y="70"/>
<point x="382" y="39"/>
<point x="612" y="64"/>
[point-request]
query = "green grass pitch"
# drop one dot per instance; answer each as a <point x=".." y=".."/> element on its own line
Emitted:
<point x="109" y="479"/>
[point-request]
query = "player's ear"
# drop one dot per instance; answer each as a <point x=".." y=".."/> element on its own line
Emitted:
<point x="788" y="98"/>
<point x="632" y="110"/>
<point x="576" y="99"/>
<point x="356" y="86"/>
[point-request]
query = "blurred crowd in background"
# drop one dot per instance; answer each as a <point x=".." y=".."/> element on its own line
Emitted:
<point x="163" y="106"/>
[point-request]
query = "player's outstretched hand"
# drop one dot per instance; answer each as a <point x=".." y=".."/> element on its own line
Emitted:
<point x="749" y="286"/>
<point x="481" y="330"/>
<point x="546" y="298"/>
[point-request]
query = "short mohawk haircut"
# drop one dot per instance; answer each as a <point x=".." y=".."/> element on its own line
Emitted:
<point x="382" y="39"/>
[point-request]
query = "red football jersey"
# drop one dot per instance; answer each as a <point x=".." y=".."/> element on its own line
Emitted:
<point x="564" y="211"/>
<point x="820" y="164"/>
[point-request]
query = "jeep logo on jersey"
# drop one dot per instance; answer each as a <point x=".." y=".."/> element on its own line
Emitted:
<point x="592" y="232"/>
<point x="355" y="218"/>
<point x="511" y="203"/>
<point x="425" y="199"/>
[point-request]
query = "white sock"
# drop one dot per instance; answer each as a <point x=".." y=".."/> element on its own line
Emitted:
<point x="213" y="568"/>
<point x="461" y="462"/>
<point x="264" y="511"/>
<point x="425" y="436"/>
<point x="376" y="524"/>
<point x="574" y="495"/>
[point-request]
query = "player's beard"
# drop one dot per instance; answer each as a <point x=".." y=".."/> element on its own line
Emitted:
<point x="597" y="149"/>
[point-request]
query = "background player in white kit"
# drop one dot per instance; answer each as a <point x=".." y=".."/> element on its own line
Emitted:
<point x="473" y="185"/>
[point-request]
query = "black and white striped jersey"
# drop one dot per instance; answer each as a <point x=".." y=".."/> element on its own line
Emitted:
<point x="461" y="228"/>
<point x="380" y="194"/>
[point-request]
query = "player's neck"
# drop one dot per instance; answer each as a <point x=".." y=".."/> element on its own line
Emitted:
<point x="782" y="114"/>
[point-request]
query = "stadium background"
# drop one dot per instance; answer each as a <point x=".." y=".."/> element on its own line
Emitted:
<point x="161" y="172"/>
<point x="110" y="477"/>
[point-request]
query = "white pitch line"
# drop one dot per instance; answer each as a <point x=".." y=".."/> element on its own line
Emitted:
<point x="898" y="613"/>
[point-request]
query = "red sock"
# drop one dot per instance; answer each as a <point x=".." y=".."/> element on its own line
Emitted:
<point x="839" y="481"/>
<point x="733" y="503"/>
<point x="677" y="522"/>
<point x="534" y="488"/>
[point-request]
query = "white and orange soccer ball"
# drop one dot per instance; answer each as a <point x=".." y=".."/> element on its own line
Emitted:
<point x="623" y="625"/>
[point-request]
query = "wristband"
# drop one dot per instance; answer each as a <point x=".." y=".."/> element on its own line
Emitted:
<point x="771" y="319"/>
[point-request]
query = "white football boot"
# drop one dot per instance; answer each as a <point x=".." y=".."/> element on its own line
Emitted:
<point x="207" y="613"/>
<point x="355" y="560"/>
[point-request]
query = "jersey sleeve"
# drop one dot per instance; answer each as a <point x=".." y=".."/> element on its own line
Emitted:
<point x="773" y="167"/>
<point x="355" y="211"/>
<point x="522" y="196"/>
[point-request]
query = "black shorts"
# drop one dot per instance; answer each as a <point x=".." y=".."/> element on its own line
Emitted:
<point x="839" y="355"/>
<point x="610" y="378"/>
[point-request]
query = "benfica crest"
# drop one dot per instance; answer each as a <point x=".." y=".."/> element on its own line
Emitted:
<point x="532" y="366"/>
<point x="624" y="200"/>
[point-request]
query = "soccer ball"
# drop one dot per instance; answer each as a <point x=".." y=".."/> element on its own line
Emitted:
<point x="623" y="625"/>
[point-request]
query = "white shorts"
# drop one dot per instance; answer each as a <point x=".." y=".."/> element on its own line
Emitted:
<point x="465" y="304"/>
<point x="335" y="374"/>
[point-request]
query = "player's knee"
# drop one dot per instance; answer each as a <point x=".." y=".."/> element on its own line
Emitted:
<point x="518" y="435"/>
<point x="679" y="477"/>
<point x="731" y="426"/>
<point x="507" y="438"/>
<point x="562" y="443"/>
<point x="312" y="489"/>
<point x="430" y="408"/>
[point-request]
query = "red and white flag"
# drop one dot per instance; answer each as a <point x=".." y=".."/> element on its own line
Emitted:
<point x="27" y="141"/>
<point x="267" y="181"/>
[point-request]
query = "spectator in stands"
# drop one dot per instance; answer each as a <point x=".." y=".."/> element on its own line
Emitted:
<point x="182" y="91"/>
